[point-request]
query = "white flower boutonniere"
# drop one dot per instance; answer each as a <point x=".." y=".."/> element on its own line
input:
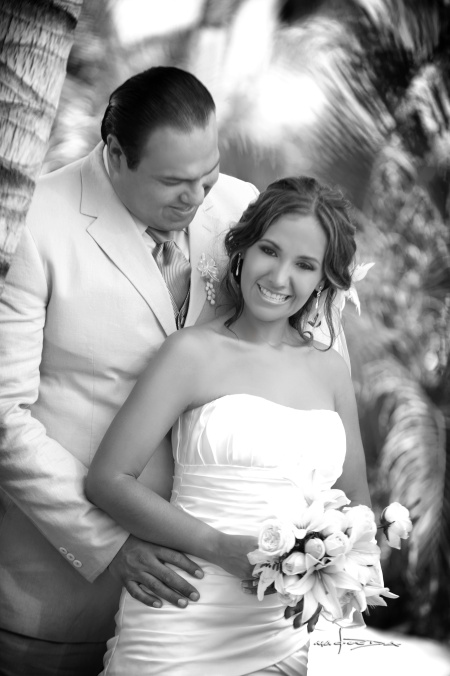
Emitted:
<point x="359" y="272"/>
<point x="208" y="269"/>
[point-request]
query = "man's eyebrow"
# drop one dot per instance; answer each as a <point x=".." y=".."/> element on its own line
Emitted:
<point x="183" y="178"/>
<point x="303" y="257"/>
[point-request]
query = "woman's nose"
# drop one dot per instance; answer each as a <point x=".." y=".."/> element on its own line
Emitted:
<point x="280" y="275"/>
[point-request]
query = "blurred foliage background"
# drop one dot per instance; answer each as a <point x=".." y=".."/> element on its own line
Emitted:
<point x="356" y="92"/>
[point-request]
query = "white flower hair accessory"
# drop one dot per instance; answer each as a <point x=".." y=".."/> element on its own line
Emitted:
<point x="359" y="272"/>
<point x="208" y="269"/>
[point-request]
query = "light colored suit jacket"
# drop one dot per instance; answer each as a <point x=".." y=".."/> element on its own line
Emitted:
<point x="83" y="311"/>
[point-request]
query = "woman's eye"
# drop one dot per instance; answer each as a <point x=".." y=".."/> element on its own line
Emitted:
<point x="267" y="250"/>
<point x="305" y="266"/>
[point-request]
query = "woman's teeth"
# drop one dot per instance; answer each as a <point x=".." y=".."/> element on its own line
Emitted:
<point x="273" y="297"/>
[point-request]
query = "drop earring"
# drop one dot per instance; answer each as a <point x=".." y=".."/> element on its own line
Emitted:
<point x="314" y="323"/>
<point x="238" y="266"/>
<point x="318" y="293"/>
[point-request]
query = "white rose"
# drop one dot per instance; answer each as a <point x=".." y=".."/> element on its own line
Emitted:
<point x="276" y="537"/>
<point x="294" y="564"/>
<point x="359" y="520"/>
<point x="287" y="589"/>
<point x="336" y="543"/>
<point x="315" y="548"/>
<point x="396" y="523"/>
<point x="334" y="522"/>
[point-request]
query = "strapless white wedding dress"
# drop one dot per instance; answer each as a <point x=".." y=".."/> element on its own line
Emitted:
<point x="239" y="460"/>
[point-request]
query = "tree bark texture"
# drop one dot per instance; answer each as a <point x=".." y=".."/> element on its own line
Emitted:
<point x="35" y="40"/>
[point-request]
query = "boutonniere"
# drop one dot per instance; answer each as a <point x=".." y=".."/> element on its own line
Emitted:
<point x="359" y="272"/>
<point x="208" y="269"/>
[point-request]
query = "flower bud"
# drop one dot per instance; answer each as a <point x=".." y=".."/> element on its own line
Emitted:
<point x="336" y="544"/>
<point x="396" y="524"/>
<point x="286" y="587"/>
<point x="315" y="548"/>
<point x="294" y="564"/>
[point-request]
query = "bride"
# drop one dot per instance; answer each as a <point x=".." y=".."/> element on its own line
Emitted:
<point x="261" y="415"/>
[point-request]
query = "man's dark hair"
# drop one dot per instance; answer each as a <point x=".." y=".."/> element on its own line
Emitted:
<point x="158" y="97"/>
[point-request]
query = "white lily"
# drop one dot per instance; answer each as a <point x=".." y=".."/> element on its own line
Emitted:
<point x="320" y="584"/>
<point x="267" y="574"/>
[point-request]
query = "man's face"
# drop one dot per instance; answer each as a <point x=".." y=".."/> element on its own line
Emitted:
<point x="176" y="171"/>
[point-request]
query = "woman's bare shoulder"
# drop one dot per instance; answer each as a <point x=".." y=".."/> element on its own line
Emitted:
<point x="196" y="340"/>
<point x="329" y="360"/>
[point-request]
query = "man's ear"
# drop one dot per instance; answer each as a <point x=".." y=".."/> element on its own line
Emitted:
<point x="115" y="152"/>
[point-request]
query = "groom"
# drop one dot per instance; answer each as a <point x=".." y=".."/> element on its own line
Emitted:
<point x="105" y="270"/>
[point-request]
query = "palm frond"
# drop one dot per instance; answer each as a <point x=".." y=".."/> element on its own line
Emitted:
<point x="406" y="455"/>
<point x="396" y="37"/>
<point x="410" y="424"/>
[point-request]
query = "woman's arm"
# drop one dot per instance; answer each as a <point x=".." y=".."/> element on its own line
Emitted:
<point x="353" y="480"/>
<point x="165" y="390"/>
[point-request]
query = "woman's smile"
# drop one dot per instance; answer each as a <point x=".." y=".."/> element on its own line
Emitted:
<point x="281" y="270"/>
<point x="271" y="296"/>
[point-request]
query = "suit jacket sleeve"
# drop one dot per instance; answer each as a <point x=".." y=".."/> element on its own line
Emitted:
<point x="44" y="479"/>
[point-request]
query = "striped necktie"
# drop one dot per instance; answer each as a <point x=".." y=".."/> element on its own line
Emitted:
<point x="176" y="272"/>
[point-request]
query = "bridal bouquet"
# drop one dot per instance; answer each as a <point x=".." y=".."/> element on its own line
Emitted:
<point x="328" y="557"/>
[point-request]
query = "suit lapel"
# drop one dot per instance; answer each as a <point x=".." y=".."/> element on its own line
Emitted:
<point x="117" y="235"/>
<point x="202" y="239"/>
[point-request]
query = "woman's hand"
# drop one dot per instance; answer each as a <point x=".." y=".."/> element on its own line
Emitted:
<point x="231" y="554"/>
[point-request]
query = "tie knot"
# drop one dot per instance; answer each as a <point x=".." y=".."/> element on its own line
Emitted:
<point x="169" y="250"/>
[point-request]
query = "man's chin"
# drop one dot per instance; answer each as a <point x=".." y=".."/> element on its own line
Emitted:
<point x="182" y="220"/>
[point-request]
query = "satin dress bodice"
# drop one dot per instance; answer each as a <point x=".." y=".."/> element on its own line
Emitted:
<point x="243" y="449"/>
<point x="239" y="460"/>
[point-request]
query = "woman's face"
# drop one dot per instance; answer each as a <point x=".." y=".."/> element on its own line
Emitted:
<point x="282" y="269"/>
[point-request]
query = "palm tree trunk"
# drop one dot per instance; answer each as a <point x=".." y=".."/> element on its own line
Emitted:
<point x="35" y="40"/>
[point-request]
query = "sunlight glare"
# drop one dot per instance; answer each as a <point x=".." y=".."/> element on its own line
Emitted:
<point x="137" y="20"/>
<point x="290" y="101"/>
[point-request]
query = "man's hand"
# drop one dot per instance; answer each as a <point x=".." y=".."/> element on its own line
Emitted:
<point x="140" y="567"/>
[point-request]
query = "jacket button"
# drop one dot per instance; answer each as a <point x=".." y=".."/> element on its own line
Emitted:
<point x="63" y="550"/>
<point x="70" y="557"/>
<point x="77" y="563"/>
